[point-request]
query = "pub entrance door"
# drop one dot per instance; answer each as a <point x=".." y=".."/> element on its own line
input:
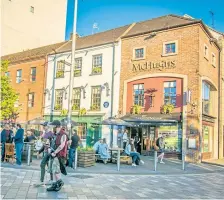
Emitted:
<point x="148" y="137"/>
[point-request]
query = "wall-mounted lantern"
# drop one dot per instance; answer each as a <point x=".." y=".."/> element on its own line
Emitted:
<point x="65" y="92"/>
<point x="83" y="89"/>
<point x="106" y="85"/>
<point x="47" y="92"/>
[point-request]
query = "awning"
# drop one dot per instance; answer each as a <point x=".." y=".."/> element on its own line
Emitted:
<point x="152" y="118"/>
<point x="114" y="121"/>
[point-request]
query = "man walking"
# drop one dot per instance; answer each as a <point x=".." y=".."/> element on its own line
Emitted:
<point x="6" y="137"/>
<point x="160" y="143"/>
<point x="19" y="143"/>
<point x="74" y="144"/>
<point x="59" y="154"/>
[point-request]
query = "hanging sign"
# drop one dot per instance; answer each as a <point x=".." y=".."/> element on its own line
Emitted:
<point x="106" y="104"/>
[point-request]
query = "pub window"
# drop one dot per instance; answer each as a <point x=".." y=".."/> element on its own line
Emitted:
<point x="139" y="53"/>
<point x="213" y="60"/>
<point x="170" y="92"/>
<point x="96" y="98"/>
<point x="78" y="67"/>
<point x="76" y="97"/>
<point x="151" y="100"/>
<point x="139" y="94"/>
<point x="81" y="130"/>
<point x="58" y="99"/>
<point x="170" y="48"/>
<point x="31" y="100"/>
<point x="97" y="64"/>
<point x="33" y="74"/>
<point x="19" y="76"/>
<point x="60" y="69"/>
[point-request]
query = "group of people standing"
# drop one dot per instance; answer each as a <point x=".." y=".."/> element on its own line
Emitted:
<point x="7" y="136"/>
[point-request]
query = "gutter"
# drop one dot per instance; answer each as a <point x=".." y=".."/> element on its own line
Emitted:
<point x="219" y="103"/>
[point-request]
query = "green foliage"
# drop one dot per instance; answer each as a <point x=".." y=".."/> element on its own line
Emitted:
<point x="94" y="107"/>
<point x="82" y="112"/>
<point x="8" y="95"/>
<point x="136" y="109"/>
<point x="57" y="107"/>
<point x="85" y="149"/>
<point x="75" y="107"/>
<point x="167" y="108"/>
<point x="97" y="70"/>
<point x="64" y="112"/>
<point x="77" y="72"/>
<point x="60" y="74"/>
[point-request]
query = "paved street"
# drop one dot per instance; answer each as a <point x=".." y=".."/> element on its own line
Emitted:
<point x="20" y="184"/>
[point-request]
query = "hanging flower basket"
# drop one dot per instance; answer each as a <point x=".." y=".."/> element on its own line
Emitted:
<point x="82" y="112"/>
<point x="57" y="107"/>
<point x="97" y="70"/>
<point x="77" y="72"/>
<point x="64" y="112"/>
<point x="60" y="74"/>
<point x="136" y="109"/>
<point x="167" y="108"/>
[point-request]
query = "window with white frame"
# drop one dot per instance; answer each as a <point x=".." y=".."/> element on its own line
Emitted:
<point x="31" y="9"/>
<point x="97" y="64"/>
<point x="213" y="60"/>
<point x="33" y="71"/>
<point x="96" y="98"/>
<point x="170" y="48"/>
<point x="139" y="53"/>
<point x="60" y="69"/>
<point x="76" y="98"/>
<point x="206" y="51"/>
<point x="78" y="67"/>
<point x="58" y="99"/>
<point x="170" y="92"/>
<point x="19" y="76"/>
<point x="138" y="94"/>
<point x="31" y="100"/>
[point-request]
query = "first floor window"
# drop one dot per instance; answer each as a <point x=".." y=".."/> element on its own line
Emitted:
<point x="97" y="64"/>
<point x="96" y="98"/>
<point x="60" y="69"/>
<point x="139" y="94"/>
<point x="7" y="74"/>
<point x="206" y="98"/>
<point x="81" y="130"/>
<point x="170" y="92"/>
<point x="33" y="74"/>
<point x="58" y="99"/>
<point x="19" y="76"/>
<point x="139" y="53"/>
<point x="76" y="98"/>
<point x="78" y="67"/>
<point x="170" y="48"/>
<point x="31" y="100"/>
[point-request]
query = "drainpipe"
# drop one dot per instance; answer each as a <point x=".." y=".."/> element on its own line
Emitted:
<point x="112" y="93"/>
<point x="53" y="87"/>
<point x="219" y="103"/>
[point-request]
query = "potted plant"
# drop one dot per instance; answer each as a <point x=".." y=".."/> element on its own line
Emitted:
<point x="94" y="107"/>
<point x="75" y="107"/>
<point x="77" y="72"/>
<point x="60" y="74"/>
<point x="167" y="108"/>
<point x="136" y="109"/>
<point x="57" y="107"/>
<point x="86" y="157"/>
<point x="82" y="112"/>
<point x="64" y="112"/>
<point x="97" y="70"/>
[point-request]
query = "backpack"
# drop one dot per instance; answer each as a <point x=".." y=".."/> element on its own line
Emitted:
<point x="157" y="143"/>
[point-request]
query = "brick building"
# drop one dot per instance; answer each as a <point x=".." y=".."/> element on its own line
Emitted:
<point x="172" y="60"/>
<point x="27" y="71"/>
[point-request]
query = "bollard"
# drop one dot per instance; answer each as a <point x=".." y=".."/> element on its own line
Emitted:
<point x="118" y="160"/>
<point x="76" y="158"/>
<point x="28" y="154"/>
<point x="183" y="161"/>
<point x="155" y="160"/>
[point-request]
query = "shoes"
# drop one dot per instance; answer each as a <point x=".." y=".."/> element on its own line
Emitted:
<point x="59" y="184"/>
<point x="162" y="162"/>
<point x="53" y="187"/>
<point x="142" y="162"/>
<point x="134" y="165"/>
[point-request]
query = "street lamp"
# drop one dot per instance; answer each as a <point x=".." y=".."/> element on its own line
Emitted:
<point x="71" y="80"/>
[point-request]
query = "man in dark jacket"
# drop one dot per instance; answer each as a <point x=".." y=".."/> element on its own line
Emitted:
<point x="6" y="137"/>
<point x="19" y="143"/>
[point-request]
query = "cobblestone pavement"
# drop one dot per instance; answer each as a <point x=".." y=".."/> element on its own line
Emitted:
<point x="20" y="184"/>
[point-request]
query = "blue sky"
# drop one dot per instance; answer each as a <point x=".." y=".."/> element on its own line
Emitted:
<point x="110" y="14"/>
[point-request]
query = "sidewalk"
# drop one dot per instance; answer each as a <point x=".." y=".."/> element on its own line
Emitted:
<point x="219" y="162"/>
<point x="171" y="167"/>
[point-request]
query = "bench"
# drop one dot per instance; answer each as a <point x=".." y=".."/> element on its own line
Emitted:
<point x="124" y="159"/>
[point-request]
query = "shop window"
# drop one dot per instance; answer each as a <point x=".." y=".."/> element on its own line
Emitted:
<point x="81" y="130"/>
<point x="78" y="67"/>
<point x="138" y="94"/>
<point x="170" y="48"/>
<point x="213" y="60"/>
<point x="170" y="92"/>
<point x="76" y="98"/>
<point x="96" y="98"/>
<point x="97" y="64"/>
<point x="207" y="138"/>
<point x="31" y="100"/>
<point x="58" y="99"/>
<point x="19" y="76"/>
<point x="206" y="98"/>
<point x="60" y="72"/>
<point x="139" y="53"/>
<point x="33" y="74"/>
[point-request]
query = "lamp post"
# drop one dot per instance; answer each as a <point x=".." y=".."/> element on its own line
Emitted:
<point x="71" y="80"/>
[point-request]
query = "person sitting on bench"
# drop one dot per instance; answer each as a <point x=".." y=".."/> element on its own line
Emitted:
<point x="96" y="146"/>
<point x="103" y="151"/>
<point x="130" y="150"/>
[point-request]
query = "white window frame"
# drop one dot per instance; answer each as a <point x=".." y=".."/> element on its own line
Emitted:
<point x="31" y="99"/>
<point x="142" y="47"/>
<point x="170" y="42"/>
<point x="32" y="9"/>
<point x="19" y="78"/>
<point x="206" y="56"/>
<point x="213" y="63"/>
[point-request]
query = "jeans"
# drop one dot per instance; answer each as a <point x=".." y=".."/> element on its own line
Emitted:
<point x="71" y="156"/>
<point x="19" y="149"/>
<point x="135" y="156"/>
<point x="43" y="164"/>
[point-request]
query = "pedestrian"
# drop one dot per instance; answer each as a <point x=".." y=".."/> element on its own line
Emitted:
<point x="19" y="143"/>
<point x="104" y="151"/>
<point x="74" y="144"/>
<point x="125" y="138"/>
<point x="119" y="138"/>
<point x="161" y="145"/>
<point x="48" y="137"/>
<point x="96" y="145"/>
<point x="6" y="137"/>
<point x="137" y="143"/>
<point x="59" y="153"/>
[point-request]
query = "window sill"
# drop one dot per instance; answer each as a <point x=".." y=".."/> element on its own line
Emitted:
<point x="77" y="75"/>
<point x="59" y="77"/>
<point x="206" y="58"/>
<point x="93" y="74"/>
<point x="137" y="59"/>
<point x="169" y="54"/>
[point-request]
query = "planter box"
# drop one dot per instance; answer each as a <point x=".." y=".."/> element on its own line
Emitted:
<point x="86" y="158"/>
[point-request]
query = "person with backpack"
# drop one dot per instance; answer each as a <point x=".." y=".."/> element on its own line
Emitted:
<point x="6" y="137"/>
<point x="161" y="146"/>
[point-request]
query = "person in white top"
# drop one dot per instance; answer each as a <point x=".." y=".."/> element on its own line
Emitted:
<point x="125" y="138"/>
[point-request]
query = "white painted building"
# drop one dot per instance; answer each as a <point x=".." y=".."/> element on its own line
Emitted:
<point x="28" y="24"/>
<point x="96" y="56"/>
